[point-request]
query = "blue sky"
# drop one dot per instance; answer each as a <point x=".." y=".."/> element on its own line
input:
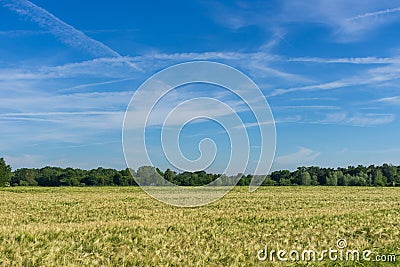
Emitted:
<point x="329" y="69"/>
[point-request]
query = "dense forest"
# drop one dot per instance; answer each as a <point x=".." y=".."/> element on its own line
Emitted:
<point x="385" y="175"/>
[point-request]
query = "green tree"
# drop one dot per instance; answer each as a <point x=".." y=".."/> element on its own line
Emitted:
<point x="343" y="179"/>
<point x="5" y="173"/>
<point x="278" y="176"/>
<point x="127" y="175"/>
<point x="285" y="182"/>
<point x="301" y="176"/>
<point x="25" y="176"/>
<point x="305" y="178"/>
<point x="119" y="180"/>
<point x="331" y="180"/>
<point x="390" y="172"/>
<point x="358" y="180"/>
<point x="267" y="182"/>
<point x="378" y="179"/>
<point x="69" y="177"/>
<point x="148" y="175"/>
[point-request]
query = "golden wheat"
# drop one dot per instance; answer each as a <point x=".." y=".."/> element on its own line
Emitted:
<point x="123" y="226"/>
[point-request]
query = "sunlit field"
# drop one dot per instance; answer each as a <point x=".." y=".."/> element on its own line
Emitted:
<point x="123" y="226"/>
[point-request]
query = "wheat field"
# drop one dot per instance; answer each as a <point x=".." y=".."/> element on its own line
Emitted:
<point x="123" y="226"/>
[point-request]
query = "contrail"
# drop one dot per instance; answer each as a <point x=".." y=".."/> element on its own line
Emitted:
<point x="63" y="31"/>
<point x="377" y="13"/>
<point x="62" y="113"/>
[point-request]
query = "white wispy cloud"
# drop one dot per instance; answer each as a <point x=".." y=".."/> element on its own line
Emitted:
<point x="179" y="108"/>
<point x="292" y="119"/>
<point x="34" y="114"/>
<point x="303" y="156"/>
<point x="116" y="68"/>
<point x="305" y="107"/>
<point x="372" y="76"/>
<point x="78" y="102"/>
<point x="278" y="36"/>
<point x="370" y="119"/>
<point x="374" y="14"/>
<point x="105" y="110"/>
<point x="254" y="124"/>
<point x="25" y="161"/>
<point x="90" y="85"/>
<point x="70" y="122"/>
<point x="357" y="119"/>
<point x="393" y="100"/>
<point x="342" y="16"/>
<point x="314" y="99"/>
<point x="322" y="86"/>
<point x="260" y="68"/>
<point x="349" y="60"/>
<point x="63" y="31"/>
<point x="259" y="64"/>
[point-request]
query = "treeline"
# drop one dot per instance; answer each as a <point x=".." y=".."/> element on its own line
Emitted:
<point x="385" y="175"/>
<point x="55" y="176"/>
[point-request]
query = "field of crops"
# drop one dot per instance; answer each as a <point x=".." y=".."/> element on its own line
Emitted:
<point x="123" y="226"/>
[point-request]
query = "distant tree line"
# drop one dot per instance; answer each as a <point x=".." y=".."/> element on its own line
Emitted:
<point x="384" y="175"/>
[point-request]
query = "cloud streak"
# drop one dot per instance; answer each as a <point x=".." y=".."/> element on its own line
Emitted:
<point x="302" y="156"/>
<point x="258" y="64"/>
<point x="63" y="31"/>
<point x="79" y="102"/>
<point x="374" y="14"/>
<point x="392" y="100"/>
<point x="371" y="76"/>
<point x="342" y="16"/>
<point x="357" y="119"/>
<point x="351" y="60"/>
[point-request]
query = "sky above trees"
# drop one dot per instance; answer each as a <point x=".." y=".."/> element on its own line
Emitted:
<point x="328" y="69"/>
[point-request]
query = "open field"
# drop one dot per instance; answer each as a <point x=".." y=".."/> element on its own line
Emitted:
<point x="101" y="226"/>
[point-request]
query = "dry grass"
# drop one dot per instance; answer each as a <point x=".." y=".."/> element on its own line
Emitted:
<point x="113" y="226"/>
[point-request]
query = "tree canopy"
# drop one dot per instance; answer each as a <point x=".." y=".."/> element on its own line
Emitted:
<point x="385" y="175"/>
<point x="5" y="173"/>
